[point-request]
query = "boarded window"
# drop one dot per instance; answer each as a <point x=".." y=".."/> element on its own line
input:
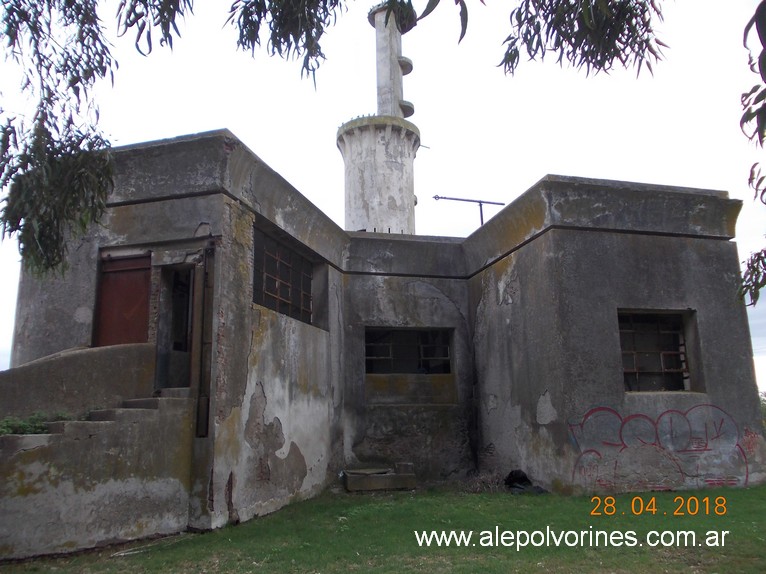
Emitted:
<point x="654" y="355"/>
<point x="425" y="351"/>
<point x="282" y="278"/>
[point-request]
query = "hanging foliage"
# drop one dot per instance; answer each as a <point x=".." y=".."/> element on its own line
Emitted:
<point x="56" y="168"/>
<point x="753" y="124"/>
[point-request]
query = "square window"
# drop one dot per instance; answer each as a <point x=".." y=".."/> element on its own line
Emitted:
<point x="654" y="353"/>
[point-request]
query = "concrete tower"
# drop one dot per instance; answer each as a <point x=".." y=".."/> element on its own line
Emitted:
<point x="379" y="151"/>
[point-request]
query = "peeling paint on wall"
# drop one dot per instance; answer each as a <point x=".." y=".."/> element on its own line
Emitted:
<point x="545" y="412"/>
<point x="266" y="440"/>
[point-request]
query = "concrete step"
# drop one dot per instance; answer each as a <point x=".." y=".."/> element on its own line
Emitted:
<point x="152" y="403"/>
<point x="132" y="410"/>
<point x="176" y="393"/>
<point x="79" y="428"/>
<point x="122" y="415"/>
<point x="103" y="415"/>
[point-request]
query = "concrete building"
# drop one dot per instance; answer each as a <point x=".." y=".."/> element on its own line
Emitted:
<point x="236" y="349"/>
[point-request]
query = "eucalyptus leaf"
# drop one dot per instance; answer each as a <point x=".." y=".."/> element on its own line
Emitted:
<point x="429" y="8"/>
<point x="463" y="19"/>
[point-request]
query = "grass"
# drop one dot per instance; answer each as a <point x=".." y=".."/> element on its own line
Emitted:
<point x="337" y="533"/>
<point x="36" y="423"/>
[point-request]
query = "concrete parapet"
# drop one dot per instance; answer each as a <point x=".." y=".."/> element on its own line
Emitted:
<point x="197" y="166"/>
<point x="625" y="207"/>
<point x="78" y="380"/>
<point x="389" y="254"/>
<point x="96" y="482"/>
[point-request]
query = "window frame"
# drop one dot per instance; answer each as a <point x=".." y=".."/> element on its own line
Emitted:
<point x="393" y="351"/>
<point x="282" y="278"/>
<point x="658" y="346"/>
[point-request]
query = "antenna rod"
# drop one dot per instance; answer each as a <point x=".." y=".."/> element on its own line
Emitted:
<point x="481" y="203"/>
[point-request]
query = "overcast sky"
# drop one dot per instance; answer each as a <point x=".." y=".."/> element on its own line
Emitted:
<point x="484" y="135"/>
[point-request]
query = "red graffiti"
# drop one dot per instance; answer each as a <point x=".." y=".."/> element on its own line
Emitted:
<point x="750" y="441"/>
<point x="698" y="447"/>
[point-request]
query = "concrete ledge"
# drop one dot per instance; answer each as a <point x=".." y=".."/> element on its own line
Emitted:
<point x="379" y="122"/>
<point x="188" y="164"/>
<point x="394" y="254"/>
<point x="78" y="380"/>
<point x="96" y="482"/>
<point x="405" y="388"/>
<point x="602" y="205"/>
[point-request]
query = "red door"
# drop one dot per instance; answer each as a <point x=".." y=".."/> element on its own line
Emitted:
<point x="122" y="315"/>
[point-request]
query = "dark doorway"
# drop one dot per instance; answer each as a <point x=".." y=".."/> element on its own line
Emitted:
<point x="174" y="328"/>
<point x="122" y="314"/>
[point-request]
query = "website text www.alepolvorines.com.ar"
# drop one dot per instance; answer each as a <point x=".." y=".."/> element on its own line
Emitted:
<point x="520" y="539"/>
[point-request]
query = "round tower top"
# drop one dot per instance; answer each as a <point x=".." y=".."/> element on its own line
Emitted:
<point x="404" y="14"/>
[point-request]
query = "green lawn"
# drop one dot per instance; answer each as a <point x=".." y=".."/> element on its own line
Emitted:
<point x="375" y="533"/>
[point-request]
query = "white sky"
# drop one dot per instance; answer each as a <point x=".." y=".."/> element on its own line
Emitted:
<point x="488" y="136"/>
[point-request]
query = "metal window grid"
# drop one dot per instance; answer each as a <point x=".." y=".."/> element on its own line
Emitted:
<point x="653" y="352"/>
<point x="282" y="278"/>
<point x="407" y="351"/>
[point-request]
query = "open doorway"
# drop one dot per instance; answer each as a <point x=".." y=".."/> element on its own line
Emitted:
<point x="174" y="329"/>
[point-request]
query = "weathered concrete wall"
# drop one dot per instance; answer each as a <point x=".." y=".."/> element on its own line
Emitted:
<point x="530" y="301"/>
<point x="559" y="201"/>
<point x="552" y="398"/>
<point x="275" y="422"/>
<point x="425" y="419"/>
<point x="671" y="441"/>
<point x="55" y="312"/>
<point x="266" y="193"/>
<point x="184" y="166"/>
<point x="174" y="199"/>
<point x="96" y="482"/>
<point x="275" y="407"/>
<point x="79" y="380"/>
<point x="275" y="445"/>
<point x="167" y="197"/>
<point x="515" y="338"/>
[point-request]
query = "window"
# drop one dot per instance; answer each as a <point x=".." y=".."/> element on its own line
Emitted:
<point x="654" y="356"/>
<point x="282" y="278"/>
<point x="407" y="351"/>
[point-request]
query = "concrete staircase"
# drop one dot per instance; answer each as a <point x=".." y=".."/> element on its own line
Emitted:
<point x="131" y="411"/>
<point x="123" y="474"/>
